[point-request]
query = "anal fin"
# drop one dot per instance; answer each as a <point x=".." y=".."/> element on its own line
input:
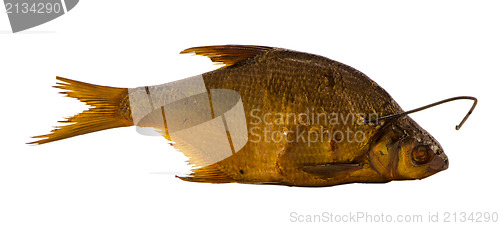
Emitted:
<point x="208" y="174"/>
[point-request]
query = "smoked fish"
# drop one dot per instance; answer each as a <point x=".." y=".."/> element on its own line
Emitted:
<point x="268" y="116"/>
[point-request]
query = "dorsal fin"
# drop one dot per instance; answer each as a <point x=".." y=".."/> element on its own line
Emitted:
<point x="228" y="54"/>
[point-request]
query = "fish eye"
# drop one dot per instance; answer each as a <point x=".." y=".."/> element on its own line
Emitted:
<point x="422" y="155"/>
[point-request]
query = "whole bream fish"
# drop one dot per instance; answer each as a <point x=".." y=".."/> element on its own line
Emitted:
<point x="270" y="116"/>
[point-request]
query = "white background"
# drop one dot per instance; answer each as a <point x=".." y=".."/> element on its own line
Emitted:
<point x="419" y="51"/>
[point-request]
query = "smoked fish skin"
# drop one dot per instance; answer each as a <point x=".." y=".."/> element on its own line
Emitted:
<point x="304" y="116"/>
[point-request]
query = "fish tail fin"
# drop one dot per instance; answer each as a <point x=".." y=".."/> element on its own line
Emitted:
<point x="109" y="109"/>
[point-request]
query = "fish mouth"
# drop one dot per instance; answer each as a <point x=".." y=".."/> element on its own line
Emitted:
<point x="439" y="163"/>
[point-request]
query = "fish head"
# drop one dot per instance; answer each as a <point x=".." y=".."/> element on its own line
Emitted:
<point x="405" y="151"/>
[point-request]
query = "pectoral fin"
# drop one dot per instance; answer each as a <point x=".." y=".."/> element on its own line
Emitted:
<point x="228" y="54"/>
<point x="331" y="170"/>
